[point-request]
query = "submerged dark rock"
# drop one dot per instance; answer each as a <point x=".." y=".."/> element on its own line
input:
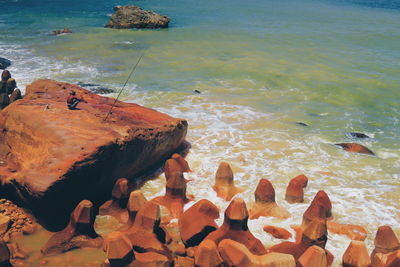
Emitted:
<point x="358" y="135"/>
<point x="64" y="31"/>
<point x="353" y="147"/>
<point x="126" y="17"/>
<point x="302" y="124"/>
<point x="4" y="63"/>
<point x="96" y="88"/>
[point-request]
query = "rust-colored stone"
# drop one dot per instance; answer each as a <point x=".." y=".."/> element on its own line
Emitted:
<point x="175" y="195"/>
<point x="393" y="259"/>
<point x="315" y="234"/>
<point x="238" y="255"/>
<point x="294" y="192"/>
<point x="320" y="208"/>
<point x="357" y="148"/>
<point x="5" y="223"/>
<point x="152" y="259"/>
<point x="277" y="232"/>
<point x="207" y="254"/>
<point x="235" y="228"/>
<point x="135" y="202"/>
<point x="224" y="184"/>
<point x="385" y="242"/>
<point x="313" y="257"/>
<point x="182" y="162"/>
<point x="265" y="204"/>
<point x="302" y="179"/>
<point x="83" y="154"/>
<point x="197" y="222"/>
<point x="184" y="262"/>
<point x="78" y="233"/>
<point x="146" y="234"/>
<point x="116" y="206"/>
<point x="356" y="255"/>
<point x="354" y="232"/>
<point x="119" y="250"/>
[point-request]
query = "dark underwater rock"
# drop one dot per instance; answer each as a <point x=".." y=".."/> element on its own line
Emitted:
<point x="4" y="63"/>
<point x="358" y="135"/>
<point x="126" y="17"/>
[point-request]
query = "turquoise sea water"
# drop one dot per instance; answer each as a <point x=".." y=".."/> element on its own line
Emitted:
<point x="262" y="66"/>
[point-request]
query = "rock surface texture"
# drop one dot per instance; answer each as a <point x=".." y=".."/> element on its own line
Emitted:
<point x="126" y="17"/>
<point x="51" y="157"/>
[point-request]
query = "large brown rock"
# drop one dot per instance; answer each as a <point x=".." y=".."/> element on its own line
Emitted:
<point x="55" y="157"/>
<point x="135" y="17"/>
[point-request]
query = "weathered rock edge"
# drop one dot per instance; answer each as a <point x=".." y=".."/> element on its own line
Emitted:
<point x="126" y="17"/>
<point x="51" y="158"/>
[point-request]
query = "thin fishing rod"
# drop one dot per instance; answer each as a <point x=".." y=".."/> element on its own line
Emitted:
<point x="123" y="87"/>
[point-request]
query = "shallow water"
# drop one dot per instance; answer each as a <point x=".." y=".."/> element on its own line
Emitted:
<point x="261" y="67"/>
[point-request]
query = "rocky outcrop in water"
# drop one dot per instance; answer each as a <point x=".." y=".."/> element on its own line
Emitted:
<point x="134" y="17"/>
<point x="51" y="157"/>
<point x="357" y="148"/>
<point x="4" y="63"/>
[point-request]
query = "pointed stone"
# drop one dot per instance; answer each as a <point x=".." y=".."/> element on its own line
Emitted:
<point x="238" y="255"/>
<point x="197" y="222"/>
<point x="151" y="259"/>
<point x="393" y="259"/>
<point x="136" y="201"/>
<point x="235" y="228"/>
<point x="386" y="239"/>
<point x="182" y="162"/>
<point x="316" y="233"/>
<point x="224" y="185"/>
<point x="294" y="192"/>
<point x="313" y="257"/>
<point x="175" y="195"/>
<point x="207" y="254"/>
<point x="356" y="255"/>
<point x="265" y="204"/>
<point x="320" y="208"/>
<point x="119" y="250"/>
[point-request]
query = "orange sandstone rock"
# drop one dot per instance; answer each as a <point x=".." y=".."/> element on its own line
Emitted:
<point x="184" y="262"/>
<point x="238" y="255"/>
<point x="55" y="157"/>
<point x="320" y="207"/>
<point x="148" y="259"/>
<point x="118" y="249"/>
<point x="265" y="204"/>
<point x="235" y="228"/>
<point x="315" y="234"/>
<point x="197" y="222"/>
<point x="116" y="206"/>
<point x="354" y="232"/>
<point x="393" y="259"/>
<point x="135" y="202"/>
<point x="302" y="179"/>
<point x="385" y="242"/>
<point x="277" y="232"/>
<point x="207" y="254"/>
<point x="224" y="184"/>
<point x="78" y="233"/>
<point x="146" y="234"/>
<point x="313" y="257"/>
<point x="175" y="195"/>
<point x="356" y="255"/>
<point x="357" y="148"/>
<point x="294" y="192"/>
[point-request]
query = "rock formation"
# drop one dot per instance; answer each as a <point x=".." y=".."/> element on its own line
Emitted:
<point x="83" y="155"/>
<point x="116" y="206"/>
<point x="134" y="17"/>
<point x="277" y="232"/>
<point x="78" y="233"/>
<point x="175" y="164"/>
<point x="207" y="255"/>
<point x="238" y="255"/>
<point x="4" y="254"/>
<point x="295" y="189"/>
<point x="4" y="63"/>
<point x="224" y="184"/>
<point x="386" y="243"/>
<point x="119" y="250"/>
<point x="235" y="228"/>
<point x="64" y="31"/>
<point x="354" y="232"/>
<point x="265" y="204"/>
<point x="356" y="255"/>
<point x="313" y="257"/>
<point x="175" y="195"/>
<point x="320" y="208"/>
<point x="357" y="148"/>
<point x="135" y="203"/>
<point x="197" y="222"/>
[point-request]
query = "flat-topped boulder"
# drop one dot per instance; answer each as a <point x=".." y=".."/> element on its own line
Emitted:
<point x="52" y="157"/>
<point x="126" y="17"/>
